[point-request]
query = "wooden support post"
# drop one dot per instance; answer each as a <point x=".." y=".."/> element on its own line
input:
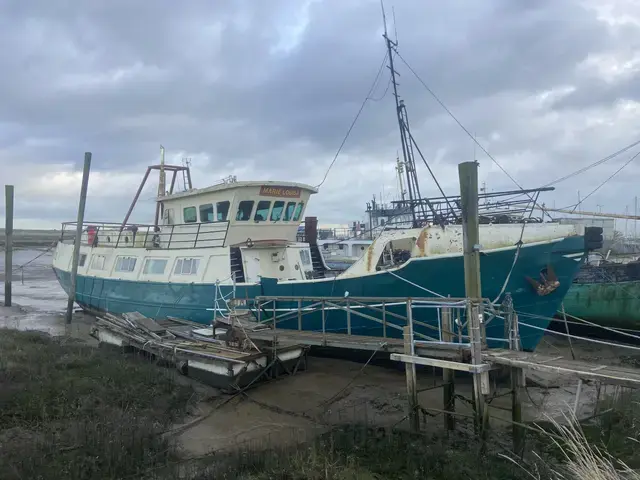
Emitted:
<point x="299" y="314"/>
<point x="577" y="402"/>
<point x="468" y="175"/>
<point x="412" y="389"/>
<point x="324" y="325"/>
<point x="384" y="320"/>
<point x="76" y="244"/>
<point x="8" y="243"/>
<point x="448" y="375"/>
<point x="517" y="384"/>
<point x="348" y="318"/>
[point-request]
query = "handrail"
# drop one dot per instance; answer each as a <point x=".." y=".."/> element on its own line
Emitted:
<point x="116" y="235"/>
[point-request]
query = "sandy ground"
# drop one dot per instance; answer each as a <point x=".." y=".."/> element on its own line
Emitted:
<point x="331" y="391"/>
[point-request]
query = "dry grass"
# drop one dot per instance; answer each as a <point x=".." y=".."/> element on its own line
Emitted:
<point x="72" y="411"/>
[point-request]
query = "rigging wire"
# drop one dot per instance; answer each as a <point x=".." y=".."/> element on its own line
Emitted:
<point x="594" y="164"/>
<point x="450" y="113"/>
<point x="584" y="169"/>
<point x="353" y="123"/>
<point x="603" y="183"/>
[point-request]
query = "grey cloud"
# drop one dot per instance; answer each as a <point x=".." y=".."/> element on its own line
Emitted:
<point x="218" y="81"/>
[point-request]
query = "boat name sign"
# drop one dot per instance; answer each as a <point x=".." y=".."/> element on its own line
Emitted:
<point x="279" y="191"/>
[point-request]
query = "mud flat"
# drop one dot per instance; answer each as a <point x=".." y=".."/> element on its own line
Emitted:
<point x="31" y="238"/>
<point x="87" y="412"/>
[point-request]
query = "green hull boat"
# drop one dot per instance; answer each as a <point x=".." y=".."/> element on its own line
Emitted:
<point x="607" y="294"/>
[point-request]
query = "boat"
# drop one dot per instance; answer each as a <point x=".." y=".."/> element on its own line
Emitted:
<point x="238" y="239"/>
<point x="606" y="293"/>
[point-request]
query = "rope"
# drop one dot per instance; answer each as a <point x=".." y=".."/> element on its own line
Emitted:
<point x="334" y="396"/>
<point x="415" y="284"/>
<point x="36" y="257"/>
<point x="610" y="329"/>
<point x="586" y="339"/>
<point x="515" y="259"/>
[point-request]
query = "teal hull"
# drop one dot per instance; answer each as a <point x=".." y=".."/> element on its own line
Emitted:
<point x="614" y="305"/>
<point x="444" y="275"/>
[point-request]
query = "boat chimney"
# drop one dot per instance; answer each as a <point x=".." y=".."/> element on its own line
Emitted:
<point x="311" y="230"/>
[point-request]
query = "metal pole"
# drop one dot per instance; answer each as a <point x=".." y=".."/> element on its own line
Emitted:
<point x="76" y="244"/>
<point x="8" y="244"/>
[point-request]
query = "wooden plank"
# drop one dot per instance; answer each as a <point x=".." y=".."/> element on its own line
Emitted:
<point x="616" y="375"/>
<point x="356" y="342"/>
<point x="437" y="362"/>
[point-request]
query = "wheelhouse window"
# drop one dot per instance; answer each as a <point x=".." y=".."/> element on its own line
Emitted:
<point x="244" y="210"/>
<point x="262" y="211"/>
<point x="276" y="212"/>
<point x="206" y="213"/>
<point x="305" y="256"/>
<point x="98" y="262"/>
<point x="288" y="213"/>
<point x="154" y="266"/>
<point x="125" y="264"/>
<point x="190" y="215"/>
<point x="186" y="266"/>
<point x="222" y="210"/>
<point x="298" y="214"/>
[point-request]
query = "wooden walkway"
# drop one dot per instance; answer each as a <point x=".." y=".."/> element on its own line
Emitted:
<point x="611" y="374"/>
<point x="358" y="342"/>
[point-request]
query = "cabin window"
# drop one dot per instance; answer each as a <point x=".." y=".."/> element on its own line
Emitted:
<point x="82" y="260"/>
<point x="288" y="213"/>
<point x="190" y="215"/>
<point x="168" y="216"/>
<point x="276" y="213"/>
<point x="222" y="209"/>
<point x="305" y="256"/>
<point x="125" y="264"/>
<point x="206" y="213"/>
<point x="186" y="266"/>
<point x="154" y="266"/>
<point x="298" y="213"/>
<point x="262" y="211"/>
<point x="244" y="210"/>
<point x="98" y="262"/>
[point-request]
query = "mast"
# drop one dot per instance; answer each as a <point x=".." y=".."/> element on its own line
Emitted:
<point x="162" y="189"/>
<point x="409" y="168"/>
<point x="163" y="179"/>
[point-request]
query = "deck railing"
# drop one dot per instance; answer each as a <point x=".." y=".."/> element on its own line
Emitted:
<point x="190" y="235"/>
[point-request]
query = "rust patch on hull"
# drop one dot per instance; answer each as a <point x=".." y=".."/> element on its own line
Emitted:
<point x="421" y="243"/>
<point x="370" y="254"/>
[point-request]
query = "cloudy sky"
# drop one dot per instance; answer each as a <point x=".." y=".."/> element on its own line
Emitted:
<point x="267" y="90"/>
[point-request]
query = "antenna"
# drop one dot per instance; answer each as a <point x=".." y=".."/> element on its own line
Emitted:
<point x="163" y="179"/>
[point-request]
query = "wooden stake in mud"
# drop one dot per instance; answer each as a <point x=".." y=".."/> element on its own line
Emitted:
<point x="448" y="375"/>
<point x="8" y="244"/>
<point x="410" y="370"/>
<point x="76" y="244"/>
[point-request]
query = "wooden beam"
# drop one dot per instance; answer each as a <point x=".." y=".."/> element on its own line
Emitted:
<point x="437" y="362"/>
